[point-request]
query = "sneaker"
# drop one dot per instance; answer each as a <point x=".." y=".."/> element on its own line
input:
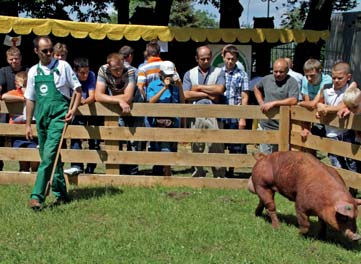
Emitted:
<point x="198" y="173"/>
<point x="73" y="171"/>
<point x="35" y="205"/>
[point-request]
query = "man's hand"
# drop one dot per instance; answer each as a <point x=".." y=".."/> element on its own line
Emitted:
<point x="242" y="123"/>
<point x="304" y="133"/>
<point x="321" y="110"/>
<point x="167" y="81"/>
<point x="28" y="132"/>
<point x="69" y="116"/>
<point x="267" y="106"/>
<point x="124" y="106"/>
<point x="343" y="112"/>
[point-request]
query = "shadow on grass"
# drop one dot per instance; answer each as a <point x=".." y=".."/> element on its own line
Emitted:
<point x="92" y="192"/>
<point x="332" y="236"/>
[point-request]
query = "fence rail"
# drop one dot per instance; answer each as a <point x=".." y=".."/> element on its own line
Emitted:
<point x="110" y="156"/>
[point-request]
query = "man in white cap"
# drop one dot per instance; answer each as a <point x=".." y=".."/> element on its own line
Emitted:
<point x="167" y="89"/>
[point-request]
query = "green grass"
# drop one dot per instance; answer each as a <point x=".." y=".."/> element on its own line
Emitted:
<point x="159" y="225"/>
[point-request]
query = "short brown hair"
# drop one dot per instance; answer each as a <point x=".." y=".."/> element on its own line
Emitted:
<point x="61" y="48"/>
<point x="13" y="51"/>
<point x="116" y="57"/>
<point x="312" y="64"/>
<point x="126" y="51"/>
<point x="22" y="77"/>
<point x="342" y="66"/>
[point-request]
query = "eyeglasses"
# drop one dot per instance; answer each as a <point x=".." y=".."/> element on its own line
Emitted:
<point x="46" y="51"/>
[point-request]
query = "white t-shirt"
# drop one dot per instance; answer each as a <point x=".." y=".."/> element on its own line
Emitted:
<point x="65" y="78"/>
<point x="333" y="97"/>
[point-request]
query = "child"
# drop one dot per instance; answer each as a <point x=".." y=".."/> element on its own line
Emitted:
<point x="60" y="51"/>
<point x="333" y="98"/>
<point x="87" y="79"/>
<point x="352" y="101"/>
<point x="167" y="89"/>
<point x="17" y="95"/>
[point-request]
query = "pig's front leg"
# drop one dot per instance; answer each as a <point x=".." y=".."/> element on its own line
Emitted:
<point x="323" y="227"/>
<point x="303" y="221"/>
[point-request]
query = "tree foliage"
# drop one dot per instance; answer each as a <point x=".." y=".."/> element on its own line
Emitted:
<point x="310" y="11"/>
<point x="81" y="10"/>
<point x="183" y="14"/>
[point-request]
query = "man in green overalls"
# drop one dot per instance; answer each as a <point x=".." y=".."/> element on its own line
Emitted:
<point x="50" y="84"/>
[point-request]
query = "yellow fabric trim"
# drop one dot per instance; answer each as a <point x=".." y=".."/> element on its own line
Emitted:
<point x="62" y="28"/>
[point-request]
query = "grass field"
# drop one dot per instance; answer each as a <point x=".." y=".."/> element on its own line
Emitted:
<point x="159" y="225"/>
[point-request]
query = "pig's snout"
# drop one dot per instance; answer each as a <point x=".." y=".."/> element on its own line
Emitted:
<point x="352" y="236"/>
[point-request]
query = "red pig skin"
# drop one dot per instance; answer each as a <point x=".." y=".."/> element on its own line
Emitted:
<point x="317" y="190"/>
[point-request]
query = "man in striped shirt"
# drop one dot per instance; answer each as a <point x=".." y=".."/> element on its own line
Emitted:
<point x="149" y="71"/>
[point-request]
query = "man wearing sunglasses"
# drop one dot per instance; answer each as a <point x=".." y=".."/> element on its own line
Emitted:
<point x="50" y="83"/>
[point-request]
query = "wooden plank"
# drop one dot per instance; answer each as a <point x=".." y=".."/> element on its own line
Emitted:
<point x="116" y="157"/>
<point x="302" y="114"/>
<point x="284" y="129"/>
<point x="172" y="110"/>
<point x="327" y="145"/>
<point x="145" y="181"/>
<point x="15" y="130"/>
<point x="159" y="158"/>
<point x="351" y="178"/>
<point x="24" y="178"/>
<point x="6" y="177"/>
<point x="111" y="145"/>
<point x="150" y="181"/>
<point x="173" y="134"/>
<point x="116" y="133"/>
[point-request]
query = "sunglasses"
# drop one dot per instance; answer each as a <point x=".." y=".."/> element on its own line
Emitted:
<point x="46" y="51"/>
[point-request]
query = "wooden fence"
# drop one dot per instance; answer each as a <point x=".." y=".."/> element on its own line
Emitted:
<point x="287" y="136"/>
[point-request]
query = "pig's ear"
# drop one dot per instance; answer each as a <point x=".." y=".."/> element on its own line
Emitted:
<point x="345" y="209"/>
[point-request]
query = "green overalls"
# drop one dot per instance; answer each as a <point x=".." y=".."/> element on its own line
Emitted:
<point x="51" y="109"/>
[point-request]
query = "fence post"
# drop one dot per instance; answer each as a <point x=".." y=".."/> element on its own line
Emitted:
<point x="284" y="128"/>
<point x="111" y="144"/>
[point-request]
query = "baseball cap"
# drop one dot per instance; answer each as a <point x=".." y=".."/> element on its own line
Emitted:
<point x="167" y="67"/>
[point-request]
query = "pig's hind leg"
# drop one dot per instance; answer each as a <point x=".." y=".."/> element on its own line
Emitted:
<point x="267" y="200"/>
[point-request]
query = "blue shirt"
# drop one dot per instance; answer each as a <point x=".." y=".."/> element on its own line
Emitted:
<point x="171" y="95"/>
<point x="236" y="83"/>
<point x="313" y="90"/>
<point x="88" y="84"/>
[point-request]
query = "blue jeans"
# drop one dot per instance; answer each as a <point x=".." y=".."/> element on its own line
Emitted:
<point x="267" y="148"/>
<point x="129" y="121"/>
<point x="343" y="162"/>
<point x="234" y="148"/>
<point x="94" y="144"/>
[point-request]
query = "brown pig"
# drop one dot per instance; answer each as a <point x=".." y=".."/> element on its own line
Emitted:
<point x="317" y="190"/>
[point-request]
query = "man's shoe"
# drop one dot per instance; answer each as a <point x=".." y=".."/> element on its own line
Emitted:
<point x="35" y="204"/>
<point x="73" y="171"/>
<point x="199" y="173"/>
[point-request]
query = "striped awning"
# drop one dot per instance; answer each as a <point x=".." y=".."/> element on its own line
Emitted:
<point x="98" y="31"/>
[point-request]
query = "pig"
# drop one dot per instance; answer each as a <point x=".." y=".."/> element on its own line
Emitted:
<point x="317" y="190"/>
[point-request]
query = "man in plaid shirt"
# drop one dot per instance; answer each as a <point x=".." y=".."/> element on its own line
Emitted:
<point x="236" y="93"/>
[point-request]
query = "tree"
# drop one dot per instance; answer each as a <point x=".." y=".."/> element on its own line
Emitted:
<point x="184" y="15"/>
<point x="230" y="11"/>
<point x="318" y="18"/>
<point x="81" y="10"/>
